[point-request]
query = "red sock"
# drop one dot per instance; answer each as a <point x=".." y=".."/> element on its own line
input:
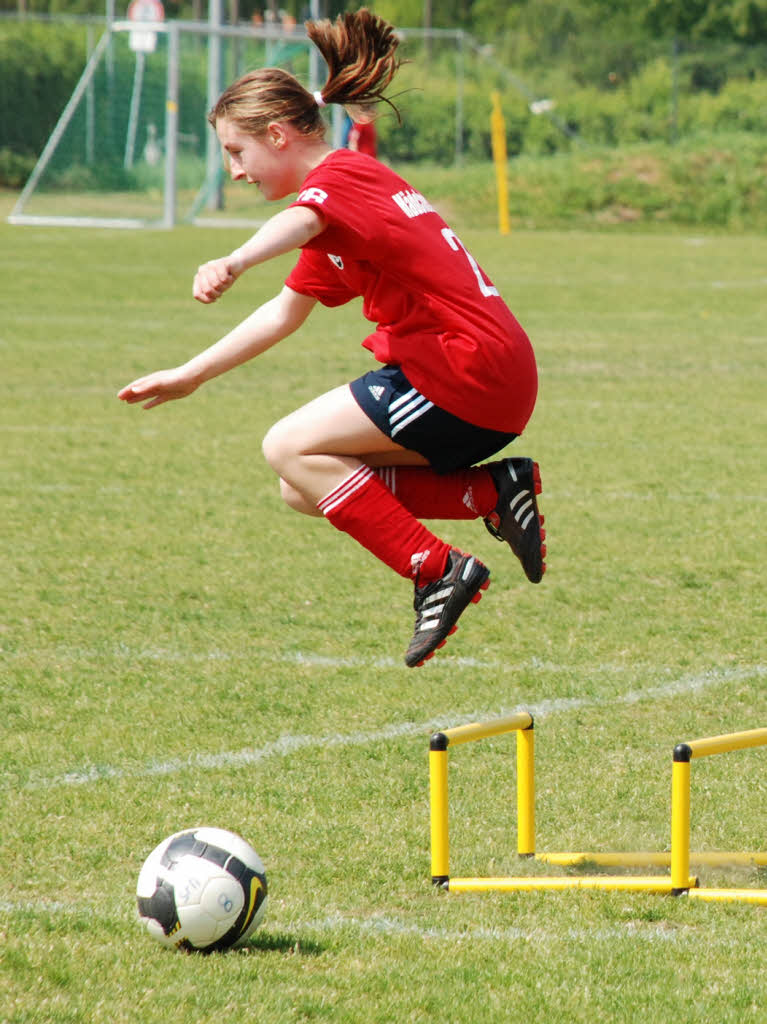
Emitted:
<point x="366" y="509"/>
<point x="464" y="494"/>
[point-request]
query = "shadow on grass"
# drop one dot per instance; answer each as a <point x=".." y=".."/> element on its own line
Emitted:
<point x="280" y="942"/>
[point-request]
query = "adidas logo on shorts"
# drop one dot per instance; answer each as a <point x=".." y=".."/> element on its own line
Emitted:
<point x="376" y="390"/>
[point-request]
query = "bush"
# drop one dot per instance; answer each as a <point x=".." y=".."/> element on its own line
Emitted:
<point x="739" y="106"/>
<point x="38" y="71"/>
<point x="40" y="65"/>
<point x="15" y="168"/>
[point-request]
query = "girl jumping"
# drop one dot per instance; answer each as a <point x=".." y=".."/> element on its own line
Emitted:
<point x="458" y="378"/>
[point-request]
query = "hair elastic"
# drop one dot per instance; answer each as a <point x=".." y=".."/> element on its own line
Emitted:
<point x="318" y="99"/>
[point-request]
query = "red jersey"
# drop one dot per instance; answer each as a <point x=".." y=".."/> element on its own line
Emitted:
<point x="438" y="316"/>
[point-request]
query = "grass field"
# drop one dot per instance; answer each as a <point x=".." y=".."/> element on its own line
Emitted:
<point x="177" y="649"/>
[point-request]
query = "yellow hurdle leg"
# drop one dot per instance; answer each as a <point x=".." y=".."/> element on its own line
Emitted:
<point x="440" y="851"/>
<point x="526" y="792"/>
<point x="680" y="819"/>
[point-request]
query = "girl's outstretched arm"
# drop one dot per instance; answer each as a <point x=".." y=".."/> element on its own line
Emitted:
<point x="271" y="322"/>
<point x="287" y="230"/>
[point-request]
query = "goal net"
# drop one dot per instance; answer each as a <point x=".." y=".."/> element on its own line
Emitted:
<point x="132" y="147"/>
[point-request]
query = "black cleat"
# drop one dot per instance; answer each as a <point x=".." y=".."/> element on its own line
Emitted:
<point x="515" y="518"/>
<point x="438" y="605"/>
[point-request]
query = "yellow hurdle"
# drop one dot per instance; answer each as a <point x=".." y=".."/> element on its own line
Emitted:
<point x="679" y="858"/>
<point x="684" y="753"/>
<point x="522" y="723"/>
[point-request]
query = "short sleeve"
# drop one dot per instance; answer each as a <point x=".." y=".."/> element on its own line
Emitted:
<point x="316" y="276"/>
<point x="344" y="190"/>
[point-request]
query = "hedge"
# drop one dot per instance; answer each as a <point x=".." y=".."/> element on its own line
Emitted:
<point x="40" y="64"/>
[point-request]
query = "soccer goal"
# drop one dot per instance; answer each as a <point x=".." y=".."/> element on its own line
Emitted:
<point x="132" y="147"/>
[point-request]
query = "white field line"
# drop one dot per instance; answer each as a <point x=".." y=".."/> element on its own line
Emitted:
<point x="388" y="926"/>
<point x="685" y="686"/>
<point x="377" y="925"/>
<point x="311" y="659"/>
<point x="45" y="907"/>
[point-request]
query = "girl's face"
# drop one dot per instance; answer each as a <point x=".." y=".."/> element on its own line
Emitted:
<point x="260" y="161"/>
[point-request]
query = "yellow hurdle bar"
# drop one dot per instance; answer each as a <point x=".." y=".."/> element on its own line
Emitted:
<point x="758" y="896"/>
<point x="649" y="858"/>
<point x="729" y="741"/>
<point x="522" y="723"/>
<point x="680" y="791"/>
<point x="609" y="883"/>
<point x="627" y="859"/>
<point x="481" y="730"/>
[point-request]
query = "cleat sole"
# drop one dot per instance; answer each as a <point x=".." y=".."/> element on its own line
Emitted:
<point x="473" y="600"/>
<point x="478" y="596"/>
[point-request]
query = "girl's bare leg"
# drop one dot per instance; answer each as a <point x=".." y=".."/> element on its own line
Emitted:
<point x="316" y="447"/>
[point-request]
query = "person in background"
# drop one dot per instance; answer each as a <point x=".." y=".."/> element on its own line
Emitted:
<point x="362" y="138"/>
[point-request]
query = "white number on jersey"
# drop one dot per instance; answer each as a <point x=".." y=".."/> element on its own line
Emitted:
<point x="457" y="245"/>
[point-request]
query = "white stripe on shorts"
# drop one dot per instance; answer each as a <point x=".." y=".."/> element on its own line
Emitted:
<point x="402" y="398"/>
<point x="424" y="407"/>
<point x="404" y="410"/>
<point x="406" y="414"/>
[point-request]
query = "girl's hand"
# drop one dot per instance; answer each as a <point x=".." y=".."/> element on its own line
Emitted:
<point x="214" y="278"/>
<point x="159" y="387"/>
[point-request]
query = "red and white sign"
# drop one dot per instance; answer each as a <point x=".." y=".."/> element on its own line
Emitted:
<point x="144" y="13"/>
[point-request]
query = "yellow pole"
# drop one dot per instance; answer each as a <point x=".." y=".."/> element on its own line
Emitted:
<point x="680" y="823"/>
<point x="561" y="883"/>
<point x="729" y="741"/>
<point x="629" y="858"/>
<point x="498" y="140"/>
<point x="758" y="896"/>
<point x="643" y="858"/>
<point x="526" y="792"/>
<point x="440" y="869"/>
<point x="482" y="730"/>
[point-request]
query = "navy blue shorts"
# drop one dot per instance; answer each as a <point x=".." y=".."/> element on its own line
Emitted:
<point x="411" y="420"/>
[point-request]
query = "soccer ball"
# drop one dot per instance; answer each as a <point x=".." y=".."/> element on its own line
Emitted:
<point x="203" y="888"/>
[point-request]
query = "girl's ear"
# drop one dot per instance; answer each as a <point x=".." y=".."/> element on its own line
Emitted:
<point x="275" y="132"/>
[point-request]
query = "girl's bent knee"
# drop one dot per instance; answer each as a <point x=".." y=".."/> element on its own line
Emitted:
<point x="295" y="500"/>
<point x="276" y="446"/>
